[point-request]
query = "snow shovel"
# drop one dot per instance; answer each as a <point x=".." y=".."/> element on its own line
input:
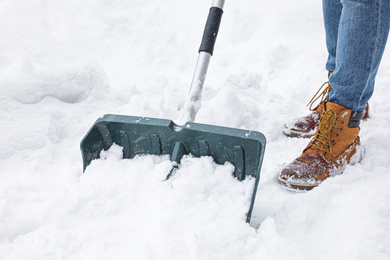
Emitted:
<point x="142" y="135"/>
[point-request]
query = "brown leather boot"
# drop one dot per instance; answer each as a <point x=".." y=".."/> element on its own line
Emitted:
<point x="306" y="126"/>
<point x="333" y="146"/>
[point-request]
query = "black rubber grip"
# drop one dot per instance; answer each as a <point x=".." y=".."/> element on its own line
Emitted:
<point x="211" y="30"/>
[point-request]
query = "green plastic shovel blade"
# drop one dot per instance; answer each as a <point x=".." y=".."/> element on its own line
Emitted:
<point x="142" y="135"/>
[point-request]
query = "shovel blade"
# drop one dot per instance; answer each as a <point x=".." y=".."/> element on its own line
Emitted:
<point x="142" y="135"/>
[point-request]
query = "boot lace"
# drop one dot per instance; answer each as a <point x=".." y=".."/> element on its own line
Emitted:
<point x="323" y="138"/>
<point x="322" y="96"/>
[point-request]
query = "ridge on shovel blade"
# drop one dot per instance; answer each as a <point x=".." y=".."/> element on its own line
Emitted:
<point x="142" y="135"/>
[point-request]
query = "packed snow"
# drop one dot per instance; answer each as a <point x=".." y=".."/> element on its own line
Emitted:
<point x="63" y="64"/>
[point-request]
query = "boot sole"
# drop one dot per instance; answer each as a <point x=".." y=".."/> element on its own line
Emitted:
<point x="295" y="186"/>
<point x="294" y="133"/>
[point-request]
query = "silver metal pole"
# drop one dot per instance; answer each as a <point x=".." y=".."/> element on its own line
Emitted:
<point x="218" y="3"/>
<point x="193" y="102"/>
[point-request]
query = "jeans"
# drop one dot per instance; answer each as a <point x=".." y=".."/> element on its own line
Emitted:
<point x="356" y="35"/>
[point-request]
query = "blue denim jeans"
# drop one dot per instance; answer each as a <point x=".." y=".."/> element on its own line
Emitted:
<point x="356" y="35"/>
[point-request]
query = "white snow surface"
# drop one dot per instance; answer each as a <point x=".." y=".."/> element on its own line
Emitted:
<point x="63" y="64"/>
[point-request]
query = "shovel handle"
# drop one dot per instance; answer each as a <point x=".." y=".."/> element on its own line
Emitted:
<point x="206" y="49"/>
<point x="212" y="26"/>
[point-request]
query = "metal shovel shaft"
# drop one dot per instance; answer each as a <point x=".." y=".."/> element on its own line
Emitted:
<point x="193" y="102"/>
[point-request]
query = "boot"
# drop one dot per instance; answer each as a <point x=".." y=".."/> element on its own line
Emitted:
<point x="334" y="145"/>
<point x="306" y="126"/>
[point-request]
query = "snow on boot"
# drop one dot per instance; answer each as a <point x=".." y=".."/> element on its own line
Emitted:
<point x="306" y="126"/>
<point x="335" y="144"/>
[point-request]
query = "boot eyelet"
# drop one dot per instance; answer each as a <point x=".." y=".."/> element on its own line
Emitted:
<point x="325" y="153"/>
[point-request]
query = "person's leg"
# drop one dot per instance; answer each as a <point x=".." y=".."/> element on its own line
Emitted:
<point x="332" y="13"/>
<point x="362" y="35"/>
<point x="363" y="31"/>
<point x="349" y="75"/>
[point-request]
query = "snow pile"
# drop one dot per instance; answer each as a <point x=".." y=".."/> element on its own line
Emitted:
<point x="124" y="208"/>
<point x="29" y="85"/>
<point x="63" y="64"/>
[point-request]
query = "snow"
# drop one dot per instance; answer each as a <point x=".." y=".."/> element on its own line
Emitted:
<point x="63" y="64"/>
